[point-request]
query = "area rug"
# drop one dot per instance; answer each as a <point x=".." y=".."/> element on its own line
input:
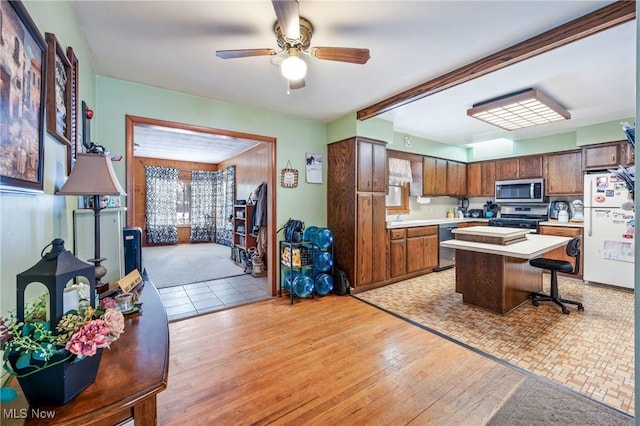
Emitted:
<point x="590" y="352"/>
<point x="169" y="266"/>
<point x="538" y="402"/>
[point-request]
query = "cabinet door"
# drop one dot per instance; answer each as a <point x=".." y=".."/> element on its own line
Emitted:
<point x="379" y="259"/>
<point x="365" y="170"/>
<point x="506" y="169"/>
<point x="415" y="256"/>
<point x="474" y="180"/>
<point x="601" y="156"/>
<point x="530" y="167"/>
<point x="488" y="178"/>
<point x="563" y="173"/>
<point x="364" y="240"/>
<point x="430" y="251"/>
<point x="456" y="178"/>
<point x="428" y="176"/>
<point x="398" y="257"/>
<point x="462" y="180"/>
<point x="441" y="177"/>
<point x="379" y="168"/>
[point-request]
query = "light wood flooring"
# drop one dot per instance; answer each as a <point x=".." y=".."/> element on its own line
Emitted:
<point x="330" y="360"/>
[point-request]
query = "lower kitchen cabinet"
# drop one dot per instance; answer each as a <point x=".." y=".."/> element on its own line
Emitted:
<point x="398" y="252"/>
<point x="422" y="248"/>
<point x="560" y="253"/>
<point x="372" y="247"/>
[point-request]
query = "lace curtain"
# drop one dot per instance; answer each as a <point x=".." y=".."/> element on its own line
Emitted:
<point x="204" y="186"/>
<point x="161" y="212"/>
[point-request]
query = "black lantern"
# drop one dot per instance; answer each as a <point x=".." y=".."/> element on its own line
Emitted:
<point x="55" y="270"/>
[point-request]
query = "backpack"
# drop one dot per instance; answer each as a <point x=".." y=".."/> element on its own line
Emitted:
<point x="293" y="230"/>
<point x="340" y="282"/>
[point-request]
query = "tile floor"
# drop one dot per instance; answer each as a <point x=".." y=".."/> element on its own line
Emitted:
<point x="188" y="300"/>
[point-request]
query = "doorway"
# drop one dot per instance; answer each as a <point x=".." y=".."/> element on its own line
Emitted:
<point x="248" y="175"/>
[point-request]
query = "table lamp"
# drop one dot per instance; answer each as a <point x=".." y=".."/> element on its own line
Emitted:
<point x="93" y="175"/>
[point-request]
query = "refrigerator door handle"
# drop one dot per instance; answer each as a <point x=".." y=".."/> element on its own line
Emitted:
<point x="590" y="230"/>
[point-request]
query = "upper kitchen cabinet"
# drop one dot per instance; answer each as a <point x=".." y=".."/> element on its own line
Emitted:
<point x="606" y="155"/>
<point x="481" y="179"/>
<point x="563" y="173"/>
<point x="434" y="176"/>
<point x="372" y="166"/>
<point x="506" y="169"/>
<point x="456" y="179"/>
<point x="530" y="166"/>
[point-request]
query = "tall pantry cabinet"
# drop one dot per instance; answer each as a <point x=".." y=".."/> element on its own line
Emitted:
<point x="356" y="190"/>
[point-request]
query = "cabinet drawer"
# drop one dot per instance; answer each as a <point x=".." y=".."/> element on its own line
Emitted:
<point x="560" y="231"/>
<point x="421" y="231"/>
<point x="398" y="234"/>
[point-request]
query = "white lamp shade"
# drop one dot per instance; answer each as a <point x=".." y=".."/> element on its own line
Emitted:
<point x="92" y="174"/>
<point x="293" y="68"/>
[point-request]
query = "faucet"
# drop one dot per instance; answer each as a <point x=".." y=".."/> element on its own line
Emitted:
<point x="399" y="218"/>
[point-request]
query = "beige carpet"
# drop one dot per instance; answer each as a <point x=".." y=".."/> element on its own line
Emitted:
<point x="591" y="352"/>
<point x="169" y="266"/>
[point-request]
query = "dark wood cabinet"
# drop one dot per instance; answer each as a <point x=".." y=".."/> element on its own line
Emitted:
<point x="422" y="248"/>
<point x="481" y="179"/>
<point x="530" y="166"/>
<point x="563" y="173"/>
<point x="506" y="169"/>
<point x="561" y="252"/>
<point x="397" y="252"/>
<point x="456" y="179"/>
<point x="434" y="176"/>
<point x="357" y="218"/>
<point x="372" y="166"/>
<point x="607" y="156"/>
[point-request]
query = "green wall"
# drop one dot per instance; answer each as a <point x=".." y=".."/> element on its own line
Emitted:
<point x="295" y="136"/>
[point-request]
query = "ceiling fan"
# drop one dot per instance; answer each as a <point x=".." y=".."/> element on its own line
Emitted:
<point x="293" y="35"/>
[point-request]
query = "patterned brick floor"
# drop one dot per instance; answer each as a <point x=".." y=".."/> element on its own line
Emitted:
<point x="591" y="352"/>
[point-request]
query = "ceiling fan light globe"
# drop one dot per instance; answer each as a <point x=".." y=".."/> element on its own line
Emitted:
<point x="293" y="68"/>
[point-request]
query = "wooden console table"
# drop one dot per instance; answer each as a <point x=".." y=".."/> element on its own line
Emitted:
<point x="498" y="277"/>
<point x="131" y="374"/>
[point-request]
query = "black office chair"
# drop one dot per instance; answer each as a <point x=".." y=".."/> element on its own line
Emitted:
<point x="554" y="265"/>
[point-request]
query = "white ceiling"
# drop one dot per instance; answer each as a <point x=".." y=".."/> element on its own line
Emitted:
<point x="172" y="44"/>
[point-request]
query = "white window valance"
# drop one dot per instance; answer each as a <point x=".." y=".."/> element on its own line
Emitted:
<point x="399" y="171"/>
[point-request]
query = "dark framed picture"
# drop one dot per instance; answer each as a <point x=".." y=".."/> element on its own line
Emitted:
<point x="58" y="91"/>
<point x="74" y="121"/>
<point x="22" y="75"/>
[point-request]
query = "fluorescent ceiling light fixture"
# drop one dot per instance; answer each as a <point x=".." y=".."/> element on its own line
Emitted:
<point x="293" y="68"/>
<point x="526" y="108"/>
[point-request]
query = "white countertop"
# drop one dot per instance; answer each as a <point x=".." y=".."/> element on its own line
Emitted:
<point x="427" y="222"/>
<point x="534" y="246"/>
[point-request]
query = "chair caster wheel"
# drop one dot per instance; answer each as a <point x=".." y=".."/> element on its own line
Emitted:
<point x="565" y="311"/>
<point x="581" y="308"/>
<point x="535" y="303"/>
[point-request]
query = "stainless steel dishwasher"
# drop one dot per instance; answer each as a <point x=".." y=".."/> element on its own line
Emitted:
<point x="446" y="256"/>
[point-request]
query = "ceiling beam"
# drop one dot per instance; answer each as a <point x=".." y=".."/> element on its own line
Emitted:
<point x="602" y="19"/>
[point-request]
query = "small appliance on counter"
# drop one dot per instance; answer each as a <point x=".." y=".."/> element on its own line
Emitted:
<point x="556" y="207"/>
<point x="476" y="213"/>
<point x="490" y="209"/>
<point x="464" y="207"/>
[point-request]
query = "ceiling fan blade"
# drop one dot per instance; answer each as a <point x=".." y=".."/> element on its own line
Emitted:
<point x="341" y="54"/>
<point x="244" y="53"/>
<point x="296" y="84"/>
<point x="288" y="14"/>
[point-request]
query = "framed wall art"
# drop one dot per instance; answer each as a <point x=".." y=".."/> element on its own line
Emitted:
<point x="58" y="91"/>
<point x="22" y="74"/>
<point x="289" y="176"/>
<point x="75" y="145"/>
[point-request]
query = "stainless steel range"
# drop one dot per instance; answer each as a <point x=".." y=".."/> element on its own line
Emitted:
<point x="527" y="216"/>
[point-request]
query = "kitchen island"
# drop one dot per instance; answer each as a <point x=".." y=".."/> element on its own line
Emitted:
<point x="494" y="276"/>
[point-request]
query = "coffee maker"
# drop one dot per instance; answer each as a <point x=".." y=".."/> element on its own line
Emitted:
<point x="556" y="207"/>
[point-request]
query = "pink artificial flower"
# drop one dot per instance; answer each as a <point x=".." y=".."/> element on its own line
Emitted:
<point x="86" y="341"/>
<point x="108" y="303"/>
<point x="114" y="319"/>
<point x="5" y="332"/>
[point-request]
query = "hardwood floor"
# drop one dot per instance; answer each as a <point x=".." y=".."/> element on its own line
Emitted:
<point x="330" y="360"/>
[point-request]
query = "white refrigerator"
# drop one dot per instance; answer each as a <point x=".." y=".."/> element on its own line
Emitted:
<point x="609" y="231"/>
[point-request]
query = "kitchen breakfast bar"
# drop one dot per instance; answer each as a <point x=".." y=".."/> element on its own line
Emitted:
<point x="492" y="265"/>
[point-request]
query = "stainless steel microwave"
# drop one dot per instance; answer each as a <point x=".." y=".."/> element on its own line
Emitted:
<point x="520" y="191"/>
